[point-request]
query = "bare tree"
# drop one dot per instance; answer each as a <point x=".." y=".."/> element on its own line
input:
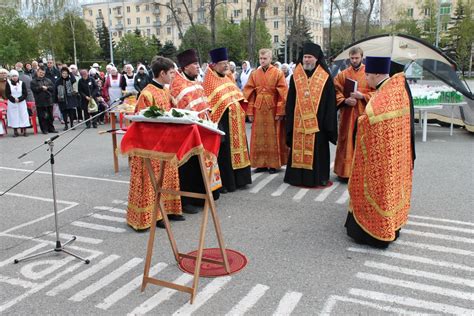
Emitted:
<point x="193" y="28"/>
<point x="355" y="10"/>
<point x="253" y="27"/>
<point x="174" y="12"/>
<point x="367" y="22"/>
<point x="341" y="18"/>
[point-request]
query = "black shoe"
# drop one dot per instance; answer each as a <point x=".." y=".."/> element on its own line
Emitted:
<point x="65" y="128"/>
<point x="44" y="132"/>
<point x="94" y="126"/>
<point x="160" y="224"/>
<point x="190" y="209"/>
<point x="54" y="131"/>
<point x="342" y="179"/>
<point x="176" y="217"/>
<point x="324" y="183"/>
<point x="260" y="170"/>
<point x="272" y="171"/>
<point x="224" y="190"/>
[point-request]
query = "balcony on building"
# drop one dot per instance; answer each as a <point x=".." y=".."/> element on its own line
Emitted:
<point x="156" y="10"/>
<point x="119" y="26"/>
<point x="157" y="23"/>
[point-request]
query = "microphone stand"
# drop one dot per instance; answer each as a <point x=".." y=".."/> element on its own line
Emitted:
<point x="50" y="142"/>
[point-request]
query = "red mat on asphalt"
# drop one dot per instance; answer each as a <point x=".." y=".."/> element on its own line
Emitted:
<point x="237" y="262"/>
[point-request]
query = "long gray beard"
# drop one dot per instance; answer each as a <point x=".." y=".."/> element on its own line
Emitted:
<point x="308" y="67"/>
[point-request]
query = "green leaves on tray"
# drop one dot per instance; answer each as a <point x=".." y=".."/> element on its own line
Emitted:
<point x="175" y="113"/>
<point x="154" y="111"/>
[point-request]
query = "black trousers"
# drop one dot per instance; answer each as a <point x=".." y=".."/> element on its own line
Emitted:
<point x="69" y="114"/>
<point x="45" y="118"/>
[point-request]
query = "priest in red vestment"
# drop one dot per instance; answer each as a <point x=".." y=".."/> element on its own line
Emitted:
<point x="266" y="92"/>
<point x="141" y="196"/>
<point x="351" y="104"/>
<point x="381" y="181"/>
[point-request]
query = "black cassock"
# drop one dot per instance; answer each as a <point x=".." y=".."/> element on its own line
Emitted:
<point x="231" y="179"/>
<point x="190" y="180"/>
<point x="327" y="121"/>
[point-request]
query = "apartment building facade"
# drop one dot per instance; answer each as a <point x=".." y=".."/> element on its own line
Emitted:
<point x="155" y="18"/>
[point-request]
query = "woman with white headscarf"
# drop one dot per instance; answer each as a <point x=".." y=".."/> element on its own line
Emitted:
<point x="111" y="89"/>
<point x="17" y="113"/>
<point x="287" y="72"/>
<point x="128" y="80"/>
<point x="245" y="74"/>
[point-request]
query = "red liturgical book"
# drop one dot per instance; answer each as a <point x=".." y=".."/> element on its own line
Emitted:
<point x="349" y="87"/>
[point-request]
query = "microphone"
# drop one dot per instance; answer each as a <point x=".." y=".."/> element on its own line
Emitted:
<point x="129" y="94"/>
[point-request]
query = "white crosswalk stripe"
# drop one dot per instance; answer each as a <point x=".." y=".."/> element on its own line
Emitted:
<point x="344" y="197"/>
<point x="203" y="296"/>
<point x="106" y="280"/>
<point x="248" y="301"/>
<point x="110" y="218"/>
<point x="99" y="227"/>
<point x="409" y="301"/>
<point x="300" y="194"/>
<point x="399" y="273"/>
<point x="263" y="183"/>
<point x="83" y="275"/>
<point x="288" y="303"/>
<point x="162" y="296"/>
<point x="325" y="192"/>
<point x="282" y="188"/>
<point x="129" y="287"/>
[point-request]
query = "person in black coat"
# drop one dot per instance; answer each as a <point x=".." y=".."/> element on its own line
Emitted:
<point x="88" y="89"/>
<point x="43" y="91"/>
<point x="65" y="96"/>
<point x="141" y="79"/>
<point x="52" y="73"/>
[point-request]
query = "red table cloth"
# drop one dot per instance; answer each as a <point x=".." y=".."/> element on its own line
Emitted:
<point x="171" y="142"/>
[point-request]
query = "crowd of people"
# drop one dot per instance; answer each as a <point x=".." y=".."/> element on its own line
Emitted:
<point x="296" y="111"/>
<point x="294" y="117"/>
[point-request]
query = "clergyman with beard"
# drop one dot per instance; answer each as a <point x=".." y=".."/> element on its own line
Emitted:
<point x="350" y="107"/>
<point x="311" y="120"/>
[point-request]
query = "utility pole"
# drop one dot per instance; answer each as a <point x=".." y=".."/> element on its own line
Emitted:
<point x="286" y="35"/>
<point x="109" y="13"/>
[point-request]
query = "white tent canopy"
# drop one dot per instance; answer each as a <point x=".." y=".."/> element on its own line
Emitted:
<point x="399" y="48"/>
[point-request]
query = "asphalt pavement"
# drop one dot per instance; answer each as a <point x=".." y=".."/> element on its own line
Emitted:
<point x="300" y="260"/>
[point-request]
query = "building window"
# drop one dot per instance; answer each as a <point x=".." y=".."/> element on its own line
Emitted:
<point x="128" y="9"/>
<point x="119" y="11"/>
<point x="99" y="12"/>
<point x="90" y="12"/>
<point x="444" y="26"/>
<point x="147" y="19"/>
<point x="410" y="12"/>
<point x="236" y="1"/>
<point x="236" y="13"/>
<point x="275" y="39"/>
<point x="168" y="30"/>
<point x="129" y="21"/>
<point x="445" y="10"/>
<point x="427" y="11"/>
<point x="275" y="24"/>
<point x="147" y="7"/>
<point x="120" y="33"/>
<point x="148" y="32"/>
<point x="158" y="31"/>
<point x="275" y="10"/>
<point x="262" y="13"/>
<point x="110" y="11"/>
<point x="138" y="21"/>
<point x="137" y="8"/>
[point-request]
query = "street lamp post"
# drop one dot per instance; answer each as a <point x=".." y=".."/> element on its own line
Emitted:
<point x="286" y="37"/>
<point x="110" y="33"/>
